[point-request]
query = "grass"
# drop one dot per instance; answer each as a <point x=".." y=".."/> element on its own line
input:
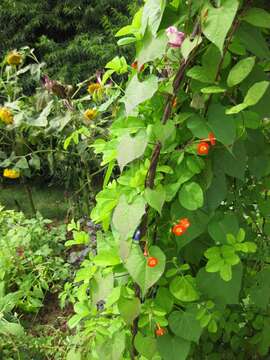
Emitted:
<point x="49" y="201"/>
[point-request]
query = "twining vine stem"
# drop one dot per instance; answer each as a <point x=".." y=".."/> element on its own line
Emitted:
<point x="151" y="174"/>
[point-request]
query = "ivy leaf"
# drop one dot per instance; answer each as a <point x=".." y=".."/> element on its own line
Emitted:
<point x="257" y="17"/>
<point x="191" y="196"/>
<point x="173" y="347"/>
<point x="145" y="345"/>
<point x="126" y="217"/>
<point x="140" y="272"/>
<point x="138" y="92"/>
<point x="240" y="71"/>
<point x="183" y="288"/>
<point x="156" y="198"/>
<point x="131" y="148"/>
<point x="185" y="324"/>
<point x="219" y="21"/>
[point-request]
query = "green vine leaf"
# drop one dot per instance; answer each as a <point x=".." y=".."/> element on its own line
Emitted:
<point x="152" y="15"/>
<point x="184" y="288"/>
<point x="129" y="308"/>
<point x="126" y="217"/>
<point x="156" y="198"/>
<point x="219" y="21"/>
<point x="185" y="324"/>
<point x="138" y="92"/>
<point x="240" y="71"/>
<point x="146" y="345"/>
<point x="191" y="196"/>
<point x="140" y="272"/>
<point x="258" y="17"/>
<point x="173" y="347"/>
<point x="131" y="148"/>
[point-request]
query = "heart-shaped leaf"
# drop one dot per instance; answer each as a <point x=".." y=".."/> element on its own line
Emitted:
<point x="140" y="272"/>
<point x="219" y="21"/>
<point x="131" y="148"/>
<point x="156" y="198"/>
<point x="191" y="196"/>
<point x="129" y="308"/>
<point x="173" y="347"/>
<point x="185" y="324"/>
<point x="146" y="346"/>
<point x="184" y="288"/>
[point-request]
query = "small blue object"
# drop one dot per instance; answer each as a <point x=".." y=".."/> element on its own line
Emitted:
<point x="137" y="235"/>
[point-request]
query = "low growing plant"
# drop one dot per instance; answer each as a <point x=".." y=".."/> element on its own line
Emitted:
<point x="32" y="268"/>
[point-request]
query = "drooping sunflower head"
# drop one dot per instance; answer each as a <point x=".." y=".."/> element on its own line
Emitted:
<point x="11" y="173"/>
<point x="14" y="58"/>
<point x="90" y="114"/>
<point x="93" y="87"/>
<point x="6" y="115"/>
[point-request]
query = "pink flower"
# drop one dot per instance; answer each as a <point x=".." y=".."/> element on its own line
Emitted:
<point x="176" y="37"/>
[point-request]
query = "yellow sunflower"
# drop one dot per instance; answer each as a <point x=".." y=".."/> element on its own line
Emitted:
<point x="90" y="114"/>
<point x="6" y="115"/>
<point x="11" y="174"/>
<point x="14" y="58"/>
<point x="93" y="87"/>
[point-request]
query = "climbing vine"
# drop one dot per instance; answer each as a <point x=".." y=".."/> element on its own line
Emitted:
<point x="181" y="268"/>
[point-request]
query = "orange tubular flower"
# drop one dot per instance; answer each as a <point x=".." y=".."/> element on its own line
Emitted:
<point x="184" y="223"/>
<point x="203" y="148"/>
<point x="178" y="230"/>
<point x="152" y="262"/>
<point x="211" y="138"/>
<point x="134" y="65"/>
<point x="160" y="331"/>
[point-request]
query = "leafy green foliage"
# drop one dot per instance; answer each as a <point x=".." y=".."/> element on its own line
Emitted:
<point x="66" y="35"/>
<point x="31" y="268"/>
<point x="182" y="249"/>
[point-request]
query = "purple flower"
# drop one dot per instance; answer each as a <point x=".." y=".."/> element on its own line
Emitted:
<point x="176" y="37"/>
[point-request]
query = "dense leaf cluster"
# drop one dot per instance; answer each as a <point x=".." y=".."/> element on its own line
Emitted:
<point x="189" y="144"/>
